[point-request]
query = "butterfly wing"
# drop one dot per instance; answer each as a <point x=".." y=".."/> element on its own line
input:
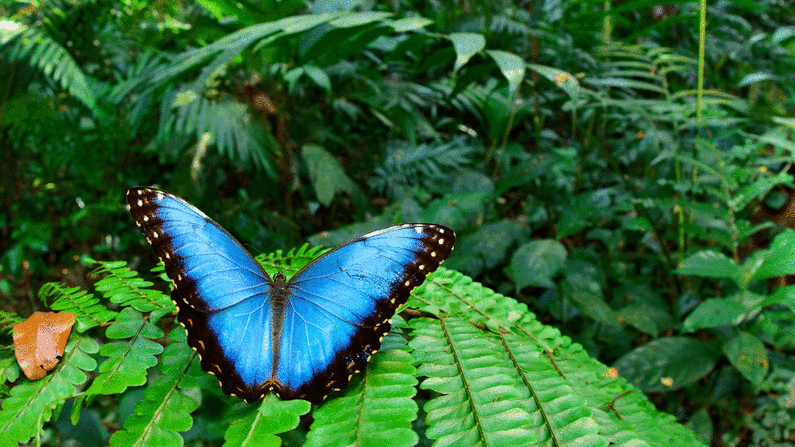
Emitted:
<point x="302" y="338"/>
<point x="339" y="307"/>
<point x="222" y="293"/>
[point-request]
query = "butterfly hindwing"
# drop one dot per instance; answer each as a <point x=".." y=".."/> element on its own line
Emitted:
<point x="301" y="338"/>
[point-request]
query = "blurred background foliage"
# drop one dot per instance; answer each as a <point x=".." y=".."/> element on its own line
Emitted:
<point x="566" y="143"/>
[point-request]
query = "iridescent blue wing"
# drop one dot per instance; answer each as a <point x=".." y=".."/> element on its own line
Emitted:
<point x="223" y="295"/>
<point x="302" y="338"/>
<point x="339" y="306"/>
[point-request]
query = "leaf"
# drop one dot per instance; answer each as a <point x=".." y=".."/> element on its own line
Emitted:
<point x="466" y="45"/>
<point x="31" y="404"/>
<point x="257" y="425"/>
<point x="40" y="340"/>
<point x="778" y="258"/>
<point x="667" y="364"/>
<point x="714" y="312"/>
<point x="496" y="390"/>
<point x="749" y="355"/>
<point x="326" y="173"/>
<point x="563" y="79"/>
<point x="164" y="410"/>
<point x="318" y="76"/>
<point x="88" y="313"/>
<point x="536" y="263"/>
<point x="122" y="285"/>
<point x="384" y="394"/>
<point x="487" y="247"/>
<point x="511" y="66"/>
<point x="711" y="264"/>
<point x="127" y="362"/>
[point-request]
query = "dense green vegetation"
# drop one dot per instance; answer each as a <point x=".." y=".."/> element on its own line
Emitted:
<point x="622" y="175"/>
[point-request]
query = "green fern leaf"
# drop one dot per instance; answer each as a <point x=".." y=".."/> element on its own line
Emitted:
<point x="164" y="410"/>
<point x="81" y="303"/>
<point x="377" y="408"/>
<point x="479" y="403"/>
<point x="123" y="286"/>
<point x="54" y="62"/>
<point x="257" y="425"/>
<point x="31" y="404"/>
<point x="128" y="361"/>
<point x="566" y="418"/>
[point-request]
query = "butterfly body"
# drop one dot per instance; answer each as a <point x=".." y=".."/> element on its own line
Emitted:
<point x="303" y="337"/>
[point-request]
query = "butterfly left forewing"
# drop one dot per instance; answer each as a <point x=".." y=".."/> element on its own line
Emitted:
<point x="222" y="293"/>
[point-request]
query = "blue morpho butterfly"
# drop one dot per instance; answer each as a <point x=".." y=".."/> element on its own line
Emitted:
<point x="303" y="337"/>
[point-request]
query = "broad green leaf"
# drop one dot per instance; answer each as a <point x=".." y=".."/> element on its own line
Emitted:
<point x="667" y="364"/>
<point x="641" y="317"/>
<point x="318" y="76"/>
<point x="714" y="312"/>
<point x="748" y="354"/>
<point x="536" y="263"/>
<point x="594" y="306"/>
<point x="784" y="295"/>
<point x="711" y="264"/>
<point x="410" y="23"/>
<point x="358" y="19"/>
<point x="511" y="66"/>
<point x="779" y="258"/>
<point x="326" y="173"/>
<point x="563" y="79"/>
<point x="466" y="45"/>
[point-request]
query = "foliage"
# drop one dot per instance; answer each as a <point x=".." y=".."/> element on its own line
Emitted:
<point x="569" y="144"/>
<point x="498" y="376"/>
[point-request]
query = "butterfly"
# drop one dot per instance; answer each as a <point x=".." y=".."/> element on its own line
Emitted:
<point x="302" y="337"/>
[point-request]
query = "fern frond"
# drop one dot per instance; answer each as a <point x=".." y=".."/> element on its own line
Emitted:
<point x="480" y="403"/>
<point x="32" y="403"/>
<point x="294" y="260"/>
<point x="377" y="408"/>
<point x="451" y="293"/>
<point x="426" y="164"/>
<point x="566" y="418"/>
<point x="127" y="362"/>
<point x="225" y="123"/>
<point x="544" y="355"/>
<point x="53" y="61"/>
<point x="124" y="286"/>
<point x="7" y="322"/>
<point x="165" y="410"/>
<point x="257" y="425"/>
<point x="81" y="303"/>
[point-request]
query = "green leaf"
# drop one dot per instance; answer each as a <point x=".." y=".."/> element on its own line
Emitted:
<point x="466" y="45"/>
<point x="410" y="24"/>
<point x="127" y="362"/>
<point x="318" y="76"/>
<point x="385" y="393"/>
<point x="326" y="173"/>
<point x="748" y="354"/>
<point x="258" y="425"/>
<point x="536" y="263"/>
<point x="563" y="79"/>
<point x="714" y="312"/>
<point x="641" y="317"/>
<point x="711" y="264"/>
<point x="31" y="404"/>
<point x="681" y="360"/>
<point x="165" y="410"/>
<point x="778" y="259"/>
<point x="511" y="66"/>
